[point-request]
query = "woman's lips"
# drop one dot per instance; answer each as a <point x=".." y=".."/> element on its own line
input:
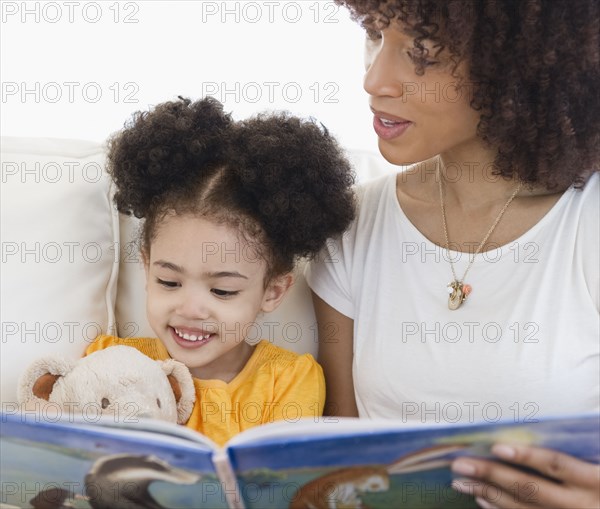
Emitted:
<point x="388" y="127"/>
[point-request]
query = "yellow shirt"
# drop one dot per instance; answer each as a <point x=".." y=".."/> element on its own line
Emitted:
<point x="275" y="384"/>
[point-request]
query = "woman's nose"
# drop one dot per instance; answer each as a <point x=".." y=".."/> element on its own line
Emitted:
<point x="381" y="76"/>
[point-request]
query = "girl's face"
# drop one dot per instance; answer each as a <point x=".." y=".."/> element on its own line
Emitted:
<point x="416" y="117"/>
<point x="205" y="288"/>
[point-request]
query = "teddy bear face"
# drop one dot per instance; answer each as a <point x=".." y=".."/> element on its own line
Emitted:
<point x="125" y="391"/>
<point x="118" y="381"/>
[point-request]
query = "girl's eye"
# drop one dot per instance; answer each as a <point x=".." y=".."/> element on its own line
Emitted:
<point x="224" y="293"/>
<point x="168" y="284"/>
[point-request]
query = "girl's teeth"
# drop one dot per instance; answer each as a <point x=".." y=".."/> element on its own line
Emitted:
<point x="191" y="337"/>
<point x="388" y="123"/>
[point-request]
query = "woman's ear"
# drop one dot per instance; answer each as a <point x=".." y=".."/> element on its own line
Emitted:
<point x="276" y="291"/>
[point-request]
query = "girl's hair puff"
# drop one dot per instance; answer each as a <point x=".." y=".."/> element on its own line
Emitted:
<point x="281" y="181"/>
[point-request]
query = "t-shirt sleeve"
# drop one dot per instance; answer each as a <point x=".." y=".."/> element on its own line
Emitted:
<point x="588" y="237"/>
<point x="102" y="342"/>
<point x="151" y="347"/>
<point x="299" y="390"/>
<point x="328" y="275"/>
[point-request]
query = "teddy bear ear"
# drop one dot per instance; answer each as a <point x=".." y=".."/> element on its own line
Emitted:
<point x="181" y="381"/>
<point x="37" y="382"/>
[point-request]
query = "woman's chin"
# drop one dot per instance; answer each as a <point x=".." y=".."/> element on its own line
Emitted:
<point x="394" y="155"/>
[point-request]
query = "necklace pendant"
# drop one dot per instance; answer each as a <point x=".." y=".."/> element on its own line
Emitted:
<point x="457" y="293"/>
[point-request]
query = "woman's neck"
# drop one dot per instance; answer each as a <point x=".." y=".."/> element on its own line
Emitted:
<point x="467" y="174"/>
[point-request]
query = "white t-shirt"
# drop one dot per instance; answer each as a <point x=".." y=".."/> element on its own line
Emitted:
<point x="526" y="342"/>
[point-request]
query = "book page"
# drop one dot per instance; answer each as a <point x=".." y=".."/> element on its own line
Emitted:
<point x="383" y="464"/>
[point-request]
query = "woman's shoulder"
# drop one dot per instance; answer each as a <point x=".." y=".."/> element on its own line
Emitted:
<point x="582" y="206"/>
<point x="371" y="190"/>
<point x="590" y="192"/>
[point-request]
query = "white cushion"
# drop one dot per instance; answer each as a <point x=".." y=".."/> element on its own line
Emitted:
<point x="59" y="233"/>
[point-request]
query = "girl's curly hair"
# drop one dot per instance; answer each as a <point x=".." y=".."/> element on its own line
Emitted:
<point x="535" y="66"/>
<point x="283" y="182"/>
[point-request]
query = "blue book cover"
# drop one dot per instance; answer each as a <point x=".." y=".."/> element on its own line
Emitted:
<point x="333" y="463"/>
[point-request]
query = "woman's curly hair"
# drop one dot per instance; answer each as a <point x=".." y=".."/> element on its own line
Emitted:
<point x="535" y="66"/>
<point x="281" y="181"/>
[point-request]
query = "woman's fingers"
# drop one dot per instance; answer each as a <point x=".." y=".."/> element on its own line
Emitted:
<point x="550" y="463"/>
<point x="566" y="479"/>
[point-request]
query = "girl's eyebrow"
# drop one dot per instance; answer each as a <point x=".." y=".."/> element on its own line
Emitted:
<point x="209" y="275"/>
<point x="169" y="265"/>
<point x="216" y="275"/>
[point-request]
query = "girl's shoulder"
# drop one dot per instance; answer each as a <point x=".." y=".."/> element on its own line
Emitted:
<point x="267" y="351"/>
<point x="152" y="347"/>
<point x="272" y="357"/>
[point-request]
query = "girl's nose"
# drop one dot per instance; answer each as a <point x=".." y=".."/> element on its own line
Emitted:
<point x="193" y="306"/>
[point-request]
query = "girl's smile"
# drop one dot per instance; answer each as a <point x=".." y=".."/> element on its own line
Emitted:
<point x="191" y="338"/>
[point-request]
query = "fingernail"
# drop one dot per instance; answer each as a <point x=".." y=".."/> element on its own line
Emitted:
<point x="504" y="451"/>
<point x="484" y="504"/>
<point x="463" y="467"/>
<point x="464" y="485"/>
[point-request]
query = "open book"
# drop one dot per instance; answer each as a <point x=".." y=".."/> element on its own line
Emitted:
<point x="333" y="463"/>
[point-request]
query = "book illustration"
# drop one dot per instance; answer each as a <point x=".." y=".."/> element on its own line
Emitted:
<point x="428" y="458"/>
<point x="51" y="498"/>
<point x="122" y="481"/>
<point x="341" y="489"/>
<point x="119" y="481"/>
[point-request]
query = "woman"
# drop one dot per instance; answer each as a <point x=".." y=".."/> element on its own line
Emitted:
<point x="467" y="288"/>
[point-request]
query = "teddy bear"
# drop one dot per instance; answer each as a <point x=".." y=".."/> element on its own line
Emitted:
<point x="118" y="381"/>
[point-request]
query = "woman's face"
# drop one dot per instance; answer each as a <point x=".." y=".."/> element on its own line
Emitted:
<point x="416" y="117"/>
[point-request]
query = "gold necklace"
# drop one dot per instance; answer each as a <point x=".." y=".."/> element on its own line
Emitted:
<point x="457" y="289"/>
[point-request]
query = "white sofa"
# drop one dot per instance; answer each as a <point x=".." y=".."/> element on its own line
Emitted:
<point x="70" y="265"/>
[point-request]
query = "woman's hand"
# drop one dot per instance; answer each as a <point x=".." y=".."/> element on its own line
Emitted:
<point x="566" y="483"/>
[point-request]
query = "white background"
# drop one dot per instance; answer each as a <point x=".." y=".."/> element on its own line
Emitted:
<point x="77" y="69"/>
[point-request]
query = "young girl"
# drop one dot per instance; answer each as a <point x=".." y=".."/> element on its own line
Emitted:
<point x="467" y="288"/>
<point x="228" y="207"/>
